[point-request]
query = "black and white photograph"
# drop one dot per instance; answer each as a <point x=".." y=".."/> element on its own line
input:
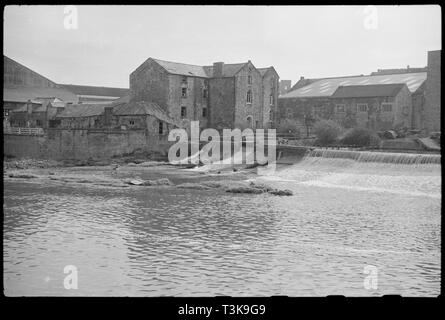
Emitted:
<point x="221" y="150"/>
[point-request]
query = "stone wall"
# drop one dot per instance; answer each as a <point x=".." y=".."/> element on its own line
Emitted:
<point x="221" y="102"/>
<point x="150" y="82"/>
<point x="269" y="87"/>
<point x="243" y="110"/>
<point x="83" y="144"/>
<point x="432" y="93"/>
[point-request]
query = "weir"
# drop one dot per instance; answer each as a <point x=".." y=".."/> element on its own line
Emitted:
<point x="381" y="157"/>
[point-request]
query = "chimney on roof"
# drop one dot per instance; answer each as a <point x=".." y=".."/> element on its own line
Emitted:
<point x="218" y="69"/>
<point x="407" y="67"/>
<point x="301" y="78"/>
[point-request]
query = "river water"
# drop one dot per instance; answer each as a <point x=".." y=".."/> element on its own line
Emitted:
<point x="344" y="218"/>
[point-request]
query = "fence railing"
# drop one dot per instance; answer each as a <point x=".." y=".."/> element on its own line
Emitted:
<point x="23" y="131"/>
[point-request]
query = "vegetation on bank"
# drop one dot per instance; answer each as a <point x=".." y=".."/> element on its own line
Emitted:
<point x="329" y="132"/>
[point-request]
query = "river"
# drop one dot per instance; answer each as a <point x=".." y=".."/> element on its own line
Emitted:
<point x="345" y="216"/>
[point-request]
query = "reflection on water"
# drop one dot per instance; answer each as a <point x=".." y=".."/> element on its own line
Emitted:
<point x="148" y="242"/>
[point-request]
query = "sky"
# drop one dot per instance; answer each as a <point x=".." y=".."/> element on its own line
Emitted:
<point x="108" y="42"/>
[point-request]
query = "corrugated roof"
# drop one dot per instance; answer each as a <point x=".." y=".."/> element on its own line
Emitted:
<point x="327" y="86"/>
<point x="96" y="91"/>
<point x="182" y="68"/>
<point x="373" y="90"/>
<point x="82" y="110"/>
<point x="23" y="94"/>
<point x="143" y="108"/>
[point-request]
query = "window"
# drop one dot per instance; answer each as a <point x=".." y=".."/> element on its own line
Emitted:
<point x="271" y="99"/>
<point x="289" y="113"/>
<point x="204" y="112"/>
<point x="184" y="92"/>
<point x="249" y="79"/>
<point x="184" y="79"/>
<point x="161" y="128"/>
<point x="249" y="121"/>
<point x="131" y="122"/>
<point x="249" y="96"/>
<point x="183" y="112"/>
<point x="362" y="107"/>
<point x="339" y="108"/>
<point x="204" y="93"/>
<point x="38" y="123"/>
<point x="386" y="107"/>
<point x="5" y="113"/>
<point x="271" y="115"/>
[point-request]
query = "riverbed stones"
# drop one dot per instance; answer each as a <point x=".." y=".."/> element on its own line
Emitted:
<point x="22" y="175"/>
<point x="285" y="192"/>
<point x="195" y="186"/>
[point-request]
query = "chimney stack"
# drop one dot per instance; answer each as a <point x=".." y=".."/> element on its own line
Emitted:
<point x="301" y="78"/>
<point x="218" y="69"/>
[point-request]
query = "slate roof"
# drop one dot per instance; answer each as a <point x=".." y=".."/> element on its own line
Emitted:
<point x="143" y="108"/>
<point x="327" y="86"/>
<point x="23" y="94"/>
<point x="229" y="70"/>
<point x="182" y="68"/>
<point x="374" y="90"/>
<point x="96" y="91"/>
<point x="82" y="110"/>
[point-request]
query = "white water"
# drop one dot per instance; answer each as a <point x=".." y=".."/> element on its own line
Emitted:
<point x="394" y="173"/>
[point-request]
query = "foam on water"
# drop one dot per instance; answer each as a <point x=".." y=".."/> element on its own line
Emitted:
<point x="394" y="173"/>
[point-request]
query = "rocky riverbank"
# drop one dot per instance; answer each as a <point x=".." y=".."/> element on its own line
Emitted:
<point x="146" y="174"/>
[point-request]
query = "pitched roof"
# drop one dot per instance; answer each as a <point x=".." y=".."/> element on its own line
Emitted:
<point x="263" y="70"/>
<point x="143" y="108"/>
<point x="82" y="110"/>
<point x="123" y="99"/>
<point x="229" y="70"/>
<point x="96" y="91"/>
<point x="327" y="86"/>
<point x="373" y="90"/>
<point x="182" y="68"/>
<point x="23" y="94"/>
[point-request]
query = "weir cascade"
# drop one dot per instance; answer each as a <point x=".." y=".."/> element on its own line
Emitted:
<point x="381" y="157"/>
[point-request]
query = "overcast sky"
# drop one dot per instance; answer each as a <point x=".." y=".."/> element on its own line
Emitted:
<point x="316" y="41"/>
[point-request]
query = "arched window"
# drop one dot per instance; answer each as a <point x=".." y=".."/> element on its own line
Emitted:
<point x="249" y="121"/>
<point x="249" y="96"/>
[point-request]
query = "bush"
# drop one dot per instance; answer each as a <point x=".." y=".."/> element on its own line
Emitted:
<point x="288" y="127"/>
<point x="360" y="137"/>
<point x="327" y="132"/>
